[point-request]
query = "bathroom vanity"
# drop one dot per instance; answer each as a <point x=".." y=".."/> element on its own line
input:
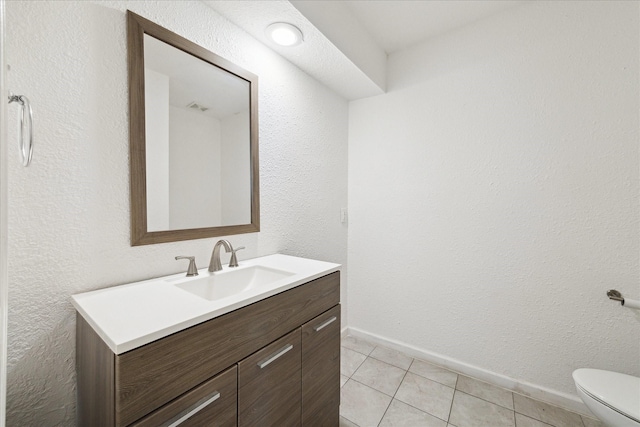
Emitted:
<point x="268" y="355"/>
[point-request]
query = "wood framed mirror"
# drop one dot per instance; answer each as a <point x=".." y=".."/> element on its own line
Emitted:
<point x="193" y="139"/>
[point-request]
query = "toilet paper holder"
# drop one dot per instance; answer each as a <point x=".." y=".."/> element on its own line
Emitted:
<point x="626" y="303"/>
<point x="615" y="295"/>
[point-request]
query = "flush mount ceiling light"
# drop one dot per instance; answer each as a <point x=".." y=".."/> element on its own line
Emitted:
<point x="284" y="34"/>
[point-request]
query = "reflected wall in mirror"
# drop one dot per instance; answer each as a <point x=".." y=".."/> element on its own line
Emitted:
<point x="193" y="139"/>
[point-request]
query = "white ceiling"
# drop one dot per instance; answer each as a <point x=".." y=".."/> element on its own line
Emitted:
<point x="192" y="80"/>
<point x="397" y="24"/>
<point x="317" y="56"/>
<point x="346" y="42"/>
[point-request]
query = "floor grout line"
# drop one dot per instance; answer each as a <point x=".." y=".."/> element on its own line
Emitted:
<point x="453" y="398"/>
<point x="488" y="401"/>
<point x="393" y="397"/>
<point x="415" y="407"/>
<point x="455" y="389"/>
<point x="395" y="392"/>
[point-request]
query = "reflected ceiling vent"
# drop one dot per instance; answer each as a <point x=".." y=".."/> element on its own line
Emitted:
<point x="195" y="106"/>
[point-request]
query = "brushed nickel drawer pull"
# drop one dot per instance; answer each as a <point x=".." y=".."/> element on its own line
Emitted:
<point x="325" y="324"/>
<point x="188" y="413"/>
<point x="274" y="356"/>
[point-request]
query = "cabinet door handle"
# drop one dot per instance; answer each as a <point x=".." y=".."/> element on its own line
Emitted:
<point x="275" y="355"/>
<point x="325" y="324"/>
<point x="188" y="413"/>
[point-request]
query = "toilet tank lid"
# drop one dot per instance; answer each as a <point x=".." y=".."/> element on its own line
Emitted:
<point x="618" y="390"/>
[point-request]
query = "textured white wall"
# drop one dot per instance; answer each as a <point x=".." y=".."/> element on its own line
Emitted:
<point x="236" y="169"/>
<point x="494" y="195"/>
<point x="69" y="211"/>
<point x="4" y="277"/>
<point x="156" y="128"/>
<point x="195" y="170"/>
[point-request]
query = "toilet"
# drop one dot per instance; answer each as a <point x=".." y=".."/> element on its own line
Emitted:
<point x="612" y="397"/>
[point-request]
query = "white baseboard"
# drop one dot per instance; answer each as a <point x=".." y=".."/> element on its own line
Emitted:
<point x="556" y="398"/>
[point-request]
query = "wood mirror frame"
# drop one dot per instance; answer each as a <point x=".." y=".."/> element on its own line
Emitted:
<point x="137" y="26"/>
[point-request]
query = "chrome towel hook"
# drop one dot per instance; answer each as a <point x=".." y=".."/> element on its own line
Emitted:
<point x="26" y="144"/>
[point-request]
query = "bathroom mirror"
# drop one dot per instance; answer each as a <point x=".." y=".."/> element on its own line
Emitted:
<point x="193" y="139"/>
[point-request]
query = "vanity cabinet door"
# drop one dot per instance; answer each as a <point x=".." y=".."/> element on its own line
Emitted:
<point x="211" y="404"/>
<point x="269" y="384"/>
<point x="321" y="370"/>
<point x="157" y="373"/>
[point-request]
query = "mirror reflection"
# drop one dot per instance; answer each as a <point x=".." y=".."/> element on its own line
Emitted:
<point x="193" y="137"/>
<point x="197" y="134"/>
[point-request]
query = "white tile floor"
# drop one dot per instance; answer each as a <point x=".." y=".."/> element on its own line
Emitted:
<point x="382" y="387"/>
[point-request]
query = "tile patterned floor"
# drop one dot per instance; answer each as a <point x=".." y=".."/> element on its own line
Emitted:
<point x="385" y="388"/>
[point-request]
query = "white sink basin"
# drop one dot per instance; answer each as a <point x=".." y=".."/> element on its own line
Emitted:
<point x="135" y="314"/>
<point x="226" y="283"/>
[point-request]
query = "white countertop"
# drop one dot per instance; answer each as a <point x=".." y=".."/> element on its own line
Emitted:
<point x="135" y="314"/>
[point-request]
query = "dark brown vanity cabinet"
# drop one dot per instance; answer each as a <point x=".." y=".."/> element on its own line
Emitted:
<point x="295" y="380"/>
<point x="213" y="403"/>
<point x="269" y="384"/>
<point x="321" y="370"/>
<point x="275" y="362"/>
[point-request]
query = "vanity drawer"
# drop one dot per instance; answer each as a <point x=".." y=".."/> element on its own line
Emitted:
<point x="269" y="385"/>
<point x="211" y="404"/>
<point x="150" y="376"/>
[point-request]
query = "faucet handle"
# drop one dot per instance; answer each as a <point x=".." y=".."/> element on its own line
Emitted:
<point x="234" y="260"/>
<point x="192" y="270"/>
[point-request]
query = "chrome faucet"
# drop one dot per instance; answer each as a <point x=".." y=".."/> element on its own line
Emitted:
<point x="215" y="264"/>
<point x="234" y="259"/>
<point x="192" y="270"/>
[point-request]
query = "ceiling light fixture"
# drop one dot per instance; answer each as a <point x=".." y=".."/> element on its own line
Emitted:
<point x="284" y="34"/>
